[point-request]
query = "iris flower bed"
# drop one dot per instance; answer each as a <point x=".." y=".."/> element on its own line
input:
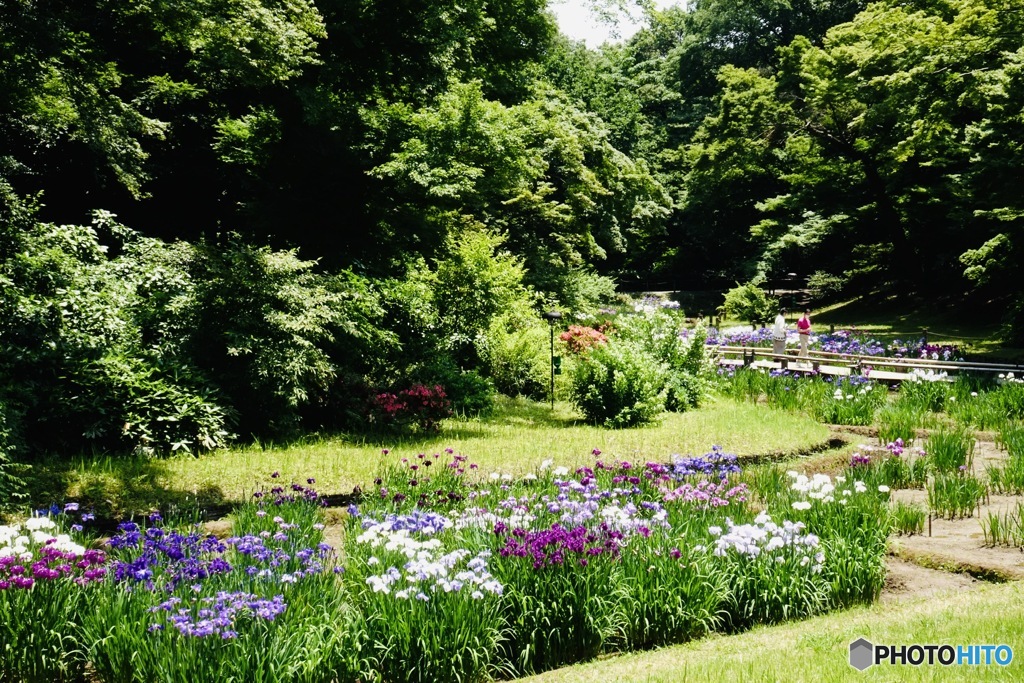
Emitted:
<point x="444" y="575"/>
<point x="847" y="342"/>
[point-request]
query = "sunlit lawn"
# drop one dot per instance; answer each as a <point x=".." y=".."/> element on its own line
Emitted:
<point x="817" y="649"/>
<point x="516" y="439"/>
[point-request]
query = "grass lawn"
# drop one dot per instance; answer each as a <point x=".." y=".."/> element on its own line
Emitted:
<point x="817" y="649"/>
<point x="516" y="439"/>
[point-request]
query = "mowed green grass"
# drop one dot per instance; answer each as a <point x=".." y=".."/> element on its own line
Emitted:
<point x="516" y="439"/>
<point x="818" y="649"/>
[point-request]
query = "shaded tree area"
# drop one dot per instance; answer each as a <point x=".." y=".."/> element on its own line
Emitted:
<point x="255" y="216"/>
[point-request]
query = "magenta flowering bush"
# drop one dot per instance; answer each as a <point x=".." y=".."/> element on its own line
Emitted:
<point x="418" y="406"/>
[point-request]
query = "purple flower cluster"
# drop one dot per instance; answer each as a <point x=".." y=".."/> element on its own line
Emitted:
<point x="706" y="494"/>
<point x="427" y="523"/>
<point x="218" y="615"/>
<point x="168" y="556"/>
<point x="860" y="459"/>
<point x="714" y="464"/>
<point x="922" y="349"/>
<point x="759" y="337"/>
<point x="551" y="547"/>
<point x="161" y="559"/>
<point x="280" y="495"/>
<point x="30" y="553"/>
<point x="847" y="342"/>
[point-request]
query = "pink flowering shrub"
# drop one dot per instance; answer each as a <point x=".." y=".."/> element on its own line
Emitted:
<point x="580" y="338"/>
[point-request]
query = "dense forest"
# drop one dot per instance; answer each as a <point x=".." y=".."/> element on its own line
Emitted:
<point x="259" y="216"/>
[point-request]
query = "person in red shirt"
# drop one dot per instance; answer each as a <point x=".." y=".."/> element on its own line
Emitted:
<point x="803" y="327"/>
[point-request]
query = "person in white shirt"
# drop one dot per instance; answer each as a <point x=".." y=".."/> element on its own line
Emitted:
<point x="779" y="333"/>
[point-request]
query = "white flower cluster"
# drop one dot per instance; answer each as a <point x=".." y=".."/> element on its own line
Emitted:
<point x="18" y="540"/>
<point x="820" y="487"/>
<point x="838" y="394"/>
<point x="765" y="537"/>
<point x="1008" y="377"/>
<point x="428" y="570"/>
<point x="919" y="375"/>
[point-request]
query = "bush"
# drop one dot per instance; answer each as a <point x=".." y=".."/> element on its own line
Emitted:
<point x="749" y="302"/>
<point x="619" y="385"/>
<point x="825" y="287"/>
<point x="93" y="346"/>
<point x="516" y="357"/>
<point x="420" y="406"/>
<point x="12" y="486"/>
<point x="470" y="392"/>
<point x="580" y="338"/>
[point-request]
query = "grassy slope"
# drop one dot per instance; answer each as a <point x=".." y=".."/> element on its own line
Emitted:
<point x="516" y="439"/>
<point x="977" y="328"/>
<point x="817" y="649"/>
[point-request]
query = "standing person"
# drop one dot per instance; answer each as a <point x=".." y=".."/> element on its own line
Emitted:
<point x="779" y="334"/>
<point x="803" y="326"/>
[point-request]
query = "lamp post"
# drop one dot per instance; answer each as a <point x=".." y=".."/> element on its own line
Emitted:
<point x="551" y="317"/>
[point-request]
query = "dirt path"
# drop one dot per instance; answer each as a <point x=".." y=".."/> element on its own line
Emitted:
<point x="906" y="580"/>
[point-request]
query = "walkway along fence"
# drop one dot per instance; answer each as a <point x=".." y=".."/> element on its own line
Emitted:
<point x="842" y="364"/>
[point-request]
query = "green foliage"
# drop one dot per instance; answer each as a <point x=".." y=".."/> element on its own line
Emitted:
<point x="619" y="385"/>
<point x="825" y="287"/>
<point x="516" y="358"/>
<point x="264" y="324"/>
<point x="1006" y="528"/>
<point x="851" y="404"/>
<point x="899" y="421"/>
<point x="670" y="599"/>
<point x="659" y="332"/>
<point x="925" y="393"/>
<point x="12" y="486"/>
<point x="582" y="291"/>
<point x="470" y="392"/>
<point x="908" y="519"/>
<point x="950" y="450"/>
<point x="749" y="302"/>
<point x="473" y="284"/>
<point x="92" y="344"/>
<point x="955" y="494"/>
<point x="540" y="173"/>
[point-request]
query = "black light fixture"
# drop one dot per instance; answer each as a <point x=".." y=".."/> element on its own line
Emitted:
<point x="551" y="317"/>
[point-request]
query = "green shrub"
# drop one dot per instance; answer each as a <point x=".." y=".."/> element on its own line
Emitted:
<point x="12" y="486"/>
<point x="473" y="284"/>
<point x="582" y="291"/>
<point x="619" y="385"/>
<point x="470" y="392"/>
<point x="749" y="302"/>
<point x="825" y="287"/>
<point x="517" y="358"/>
